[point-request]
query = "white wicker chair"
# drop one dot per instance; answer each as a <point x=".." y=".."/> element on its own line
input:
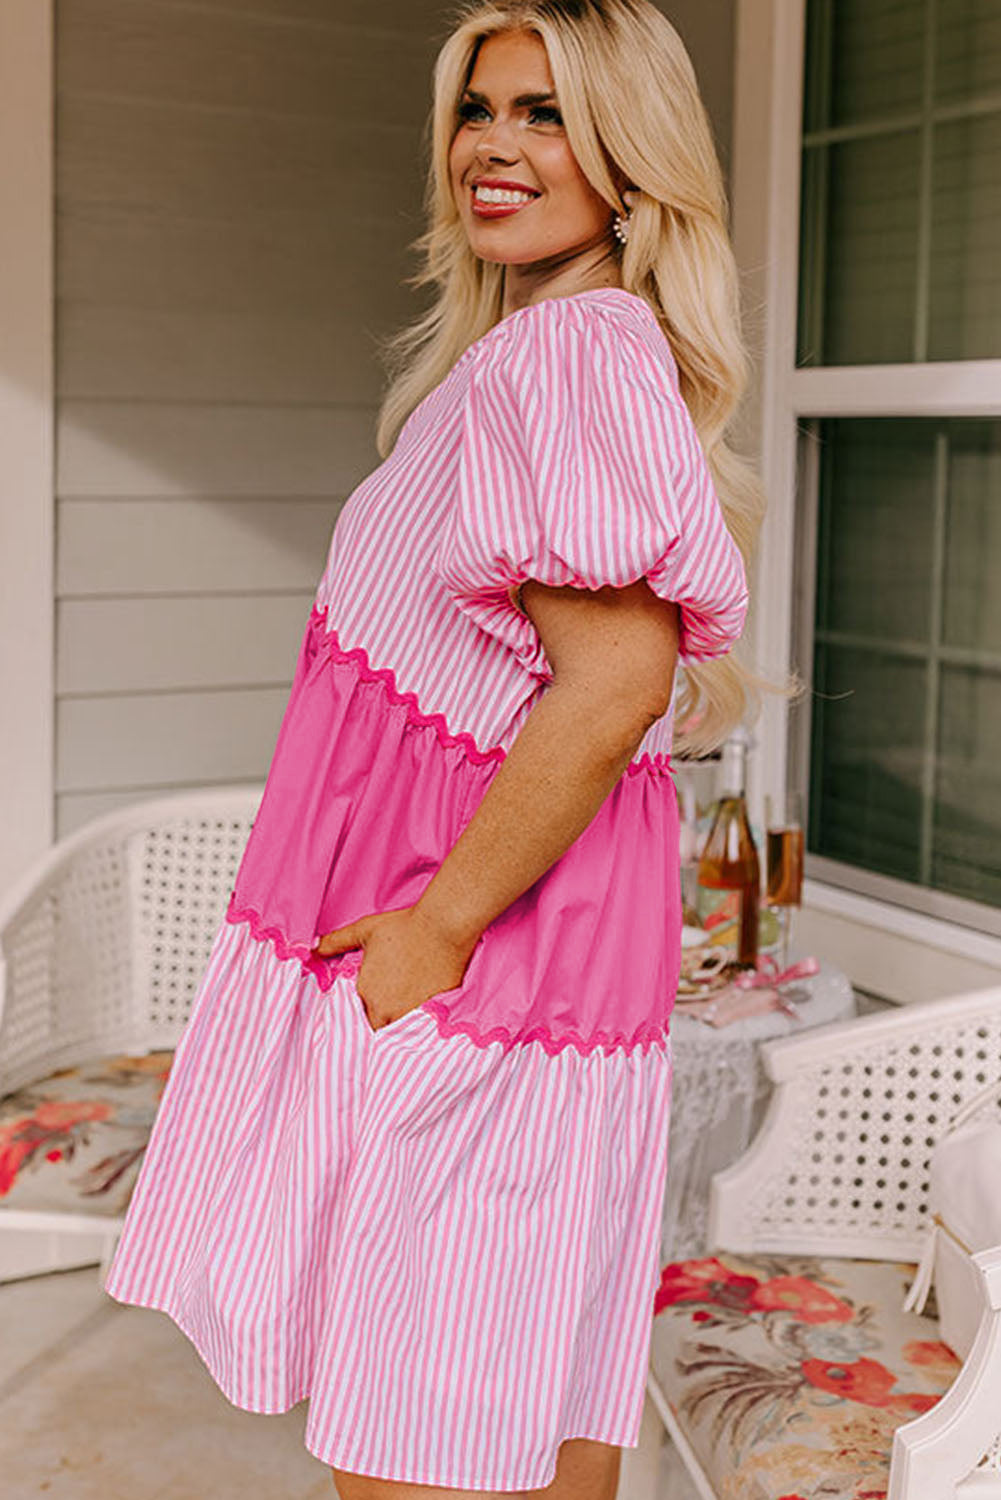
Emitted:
<point x="102" y="945"/>
<point x="839" y="1168"/>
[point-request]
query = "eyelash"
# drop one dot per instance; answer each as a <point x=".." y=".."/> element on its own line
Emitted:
<point x="467" y="109"/>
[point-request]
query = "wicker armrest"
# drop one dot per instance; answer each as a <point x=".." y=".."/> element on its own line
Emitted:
<point x="840" y="1163"/>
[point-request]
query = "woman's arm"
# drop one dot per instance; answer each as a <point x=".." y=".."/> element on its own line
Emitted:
<point x="613" y="653"/>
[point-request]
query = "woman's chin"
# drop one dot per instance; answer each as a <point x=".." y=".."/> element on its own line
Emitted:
<point x="487" y="248"/>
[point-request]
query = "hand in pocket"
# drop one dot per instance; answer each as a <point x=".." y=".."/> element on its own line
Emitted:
<point x="406" y="960"/>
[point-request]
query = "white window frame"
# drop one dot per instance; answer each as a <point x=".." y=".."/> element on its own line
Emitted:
<point x="884" y="945"/>
<point x="27" y="442"/>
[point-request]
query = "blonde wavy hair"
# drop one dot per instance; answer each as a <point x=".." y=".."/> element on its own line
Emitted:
<point x="604" y="56"/>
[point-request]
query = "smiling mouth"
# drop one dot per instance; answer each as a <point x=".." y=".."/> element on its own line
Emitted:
<point x="491" y="202"/>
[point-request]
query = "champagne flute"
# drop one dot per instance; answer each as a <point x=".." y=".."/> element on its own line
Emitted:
<point x="784" y="840"/>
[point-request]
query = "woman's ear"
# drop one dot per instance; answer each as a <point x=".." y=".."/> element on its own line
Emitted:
<point x="620" y="179"/>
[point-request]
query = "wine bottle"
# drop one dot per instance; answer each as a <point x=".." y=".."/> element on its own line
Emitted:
<point x="728" y="888"/>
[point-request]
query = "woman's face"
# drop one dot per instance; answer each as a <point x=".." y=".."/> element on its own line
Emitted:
<point x="521" y="196"/>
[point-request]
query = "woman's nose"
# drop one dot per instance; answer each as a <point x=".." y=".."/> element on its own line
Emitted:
<point x="497" y="144"/>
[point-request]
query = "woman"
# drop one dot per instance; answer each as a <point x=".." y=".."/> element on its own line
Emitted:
<point x="411" y="1157"/>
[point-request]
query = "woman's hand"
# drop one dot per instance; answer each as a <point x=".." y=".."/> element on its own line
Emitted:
<point x="407" y="959"/>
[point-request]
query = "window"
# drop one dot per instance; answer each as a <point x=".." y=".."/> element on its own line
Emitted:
<point x="900" y="247"/>
<point x="896" y="401"/>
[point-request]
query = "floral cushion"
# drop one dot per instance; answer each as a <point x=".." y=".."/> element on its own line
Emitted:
<point x="72" y="1143"/>
<point x="789" y="1375"/>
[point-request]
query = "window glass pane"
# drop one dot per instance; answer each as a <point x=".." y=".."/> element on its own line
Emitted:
<point x="864" y="60"/>
<point x="967" y="48"/>
<point x="900" y="261"/>
<point x="965" y="300"/>
<point x="900" y="229"/>
<point x="905" y="776"/>
<point x="865" y="796"/>
<point x="858" y="271"/>
<point x="875" y="540"/>
<point x="972" y="603"/>
<point x="967" y="843"/>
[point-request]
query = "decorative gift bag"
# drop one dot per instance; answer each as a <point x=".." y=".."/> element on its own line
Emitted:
<point x="965" y="1206"/>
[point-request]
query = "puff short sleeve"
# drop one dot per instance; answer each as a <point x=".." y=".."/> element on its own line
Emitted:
<point x="579" y="464"/>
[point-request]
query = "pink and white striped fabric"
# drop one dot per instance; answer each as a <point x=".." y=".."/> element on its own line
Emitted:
<point x="445" y="1232"/>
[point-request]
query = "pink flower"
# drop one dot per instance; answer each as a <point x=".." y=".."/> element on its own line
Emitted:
<point x="810" y="1303"/>
<point x="53" y="1121"/>
<point x="706" y="1280"/>
<point x="911" y="1403"/>
<point x="864" y="1380"/>
<point x="932" y="1353"/>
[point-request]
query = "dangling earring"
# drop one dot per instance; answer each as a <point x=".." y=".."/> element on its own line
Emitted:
<point x="620" y="223"/>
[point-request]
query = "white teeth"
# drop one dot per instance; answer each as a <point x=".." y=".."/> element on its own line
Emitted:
<point x="501" y="195"/>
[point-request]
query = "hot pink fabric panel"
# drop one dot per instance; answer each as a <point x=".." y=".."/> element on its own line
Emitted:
<point x="365" y="798"/>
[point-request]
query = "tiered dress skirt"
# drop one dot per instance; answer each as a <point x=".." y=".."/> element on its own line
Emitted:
<point x="444" y="1231"/>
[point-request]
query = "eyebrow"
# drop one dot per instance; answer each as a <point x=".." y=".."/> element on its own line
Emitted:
<point x="523" y="100"/>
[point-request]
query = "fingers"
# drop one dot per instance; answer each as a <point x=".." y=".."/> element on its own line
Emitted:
<point x="338" y="941"/>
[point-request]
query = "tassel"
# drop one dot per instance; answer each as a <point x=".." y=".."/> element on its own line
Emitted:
<point x="921" y="1285"/>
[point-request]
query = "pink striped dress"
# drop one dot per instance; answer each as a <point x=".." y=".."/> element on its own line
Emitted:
<point x="444" y="1232"/>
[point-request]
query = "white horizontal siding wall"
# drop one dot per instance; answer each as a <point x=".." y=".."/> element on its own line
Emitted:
<point x="26" y="434"/>
<point x="236" y="187"/>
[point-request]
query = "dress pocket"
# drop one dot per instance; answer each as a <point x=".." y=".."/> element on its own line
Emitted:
<point x="429" y="1005"/>
<point x="425" y="1007"/>
<point x="377" y="1033"/>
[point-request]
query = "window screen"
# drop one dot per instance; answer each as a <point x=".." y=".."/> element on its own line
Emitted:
<point x="900" y="247"/>
<point x="905" y="743"/>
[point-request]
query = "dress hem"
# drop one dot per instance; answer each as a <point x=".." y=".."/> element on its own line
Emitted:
<point x="330" y="1456"/>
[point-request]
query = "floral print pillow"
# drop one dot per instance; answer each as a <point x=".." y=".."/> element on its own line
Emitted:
<point x="73" y="1142"/>
<point x="789" y="1376"/>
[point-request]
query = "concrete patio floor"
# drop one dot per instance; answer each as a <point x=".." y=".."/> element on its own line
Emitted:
<point x="104" y="1402"/>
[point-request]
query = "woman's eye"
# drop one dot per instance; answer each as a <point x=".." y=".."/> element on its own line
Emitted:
<point x="540" y="114"/>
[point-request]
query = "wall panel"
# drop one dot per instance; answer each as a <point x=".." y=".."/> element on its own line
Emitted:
<point x="236" y="188"/>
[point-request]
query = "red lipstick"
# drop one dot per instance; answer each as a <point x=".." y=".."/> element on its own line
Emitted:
<point x="499" y="210"/>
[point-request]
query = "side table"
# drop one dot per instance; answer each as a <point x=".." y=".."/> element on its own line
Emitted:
<point x="718" y="1097"/>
